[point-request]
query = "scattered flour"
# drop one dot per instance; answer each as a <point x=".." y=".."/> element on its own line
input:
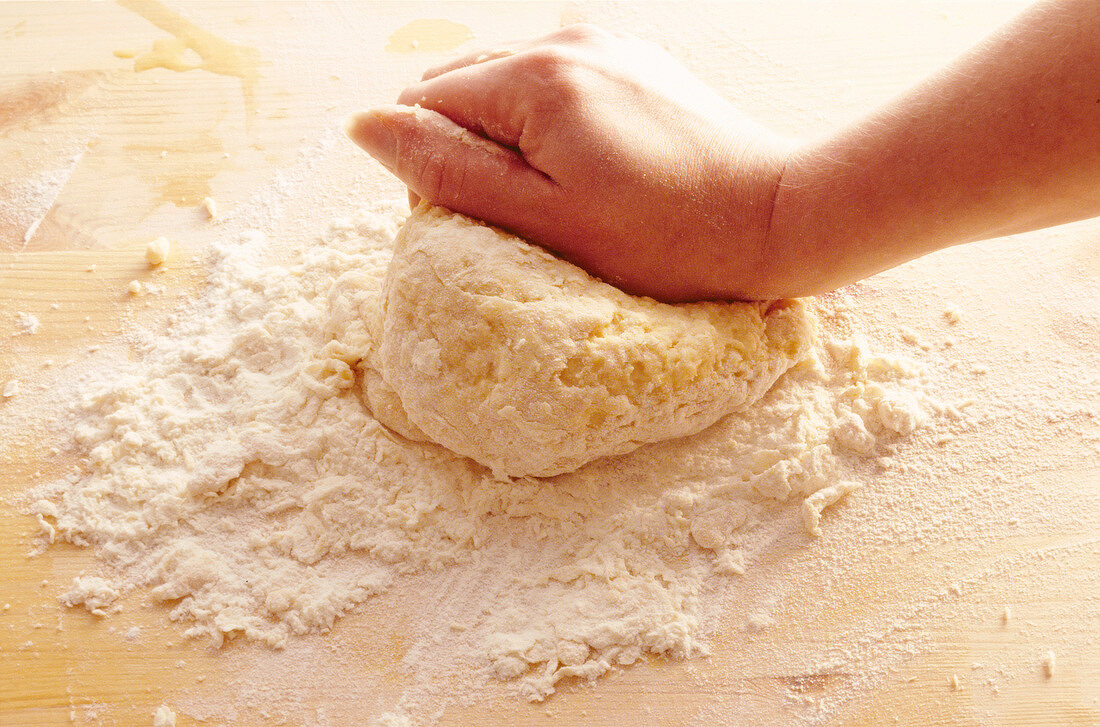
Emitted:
<point x="164" y="717"/>
<point x="27" y="324"/>
<point x="27" y="199"/>
<point x="235" y="473"/>
<point x="93" y="593"/>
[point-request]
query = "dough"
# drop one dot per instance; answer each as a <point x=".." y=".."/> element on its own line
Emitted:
<point x="503" y="353"/>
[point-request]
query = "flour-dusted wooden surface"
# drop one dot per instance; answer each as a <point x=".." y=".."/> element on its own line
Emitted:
<point x="107" y="140"/>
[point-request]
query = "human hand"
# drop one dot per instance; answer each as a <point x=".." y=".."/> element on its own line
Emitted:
<point x="600" y="147"/>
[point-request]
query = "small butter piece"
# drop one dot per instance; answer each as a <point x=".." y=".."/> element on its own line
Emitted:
<point x="210" y="206"/>
<point x="156" y="252"/>
<point x="134" y="288"/>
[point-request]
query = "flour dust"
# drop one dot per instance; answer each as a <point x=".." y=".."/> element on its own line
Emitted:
<point x="235" y="474"/>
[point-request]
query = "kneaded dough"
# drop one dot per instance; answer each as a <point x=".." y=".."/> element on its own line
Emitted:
<point x="501" y="352"/>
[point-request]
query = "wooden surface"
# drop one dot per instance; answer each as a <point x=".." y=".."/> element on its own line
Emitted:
<point x="126" y="139"/>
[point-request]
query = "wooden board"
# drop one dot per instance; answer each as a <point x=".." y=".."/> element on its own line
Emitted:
<point x="97" y="157"/>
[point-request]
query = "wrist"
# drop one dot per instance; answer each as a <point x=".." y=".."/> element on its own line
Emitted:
<point x="824" y="230"/>
<point x="782" y="266"/>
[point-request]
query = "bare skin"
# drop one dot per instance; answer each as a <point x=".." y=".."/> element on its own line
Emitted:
<point x="605" y="150"/>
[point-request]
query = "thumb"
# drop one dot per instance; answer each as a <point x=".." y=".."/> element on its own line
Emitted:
<point x="450" y="166"/>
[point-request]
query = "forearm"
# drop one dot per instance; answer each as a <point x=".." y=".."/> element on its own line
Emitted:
<point x="1004" y="140"/>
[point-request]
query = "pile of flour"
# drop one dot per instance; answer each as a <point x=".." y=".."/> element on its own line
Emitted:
<point x="234" y="472"/>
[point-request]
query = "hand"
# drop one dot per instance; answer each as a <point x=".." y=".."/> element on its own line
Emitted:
<point x="603" y="149"/>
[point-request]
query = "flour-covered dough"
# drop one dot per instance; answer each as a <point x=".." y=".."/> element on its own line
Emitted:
<point x="523" y="362"/>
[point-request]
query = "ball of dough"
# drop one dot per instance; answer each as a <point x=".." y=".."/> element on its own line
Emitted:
<point x="503" y="353"/>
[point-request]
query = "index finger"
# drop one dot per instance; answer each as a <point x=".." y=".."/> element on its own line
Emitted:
<point x="486" y="98"/>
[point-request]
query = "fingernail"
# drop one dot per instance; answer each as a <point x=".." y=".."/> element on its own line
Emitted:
<point x="369" y="130"/>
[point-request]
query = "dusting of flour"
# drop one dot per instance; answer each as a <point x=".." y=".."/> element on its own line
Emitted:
<point x="235" y="474"/>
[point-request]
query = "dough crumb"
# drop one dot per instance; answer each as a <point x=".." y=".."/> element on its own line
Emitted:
<point x="951" y="315"/>
<point x="1048" y="665"/>
<point x="954" y="682"/>
<point x="1006" y="615"/>
<point x="758" y="621"/>
<point x="94" y="593"/>
<point x="10" y="389"/>
<point x="731" y="562"/>
<point x="210" y="207"/>
<point x="818" y="502"/>
<point x="134" y="288"/>
<point x="156" y="252"/>
<point x="913" y="339"/>
<point x="164" y="717"/>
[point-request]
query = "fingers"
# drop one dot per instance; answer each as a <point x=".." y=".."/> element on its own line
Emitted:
<point x="511" y="99"/>
<point x="571" y="34"/>
<point x="467" y="60"/>
<point x="494" y="92"/>
<point x="487" y="98"/>
<point x="447" y="165"/>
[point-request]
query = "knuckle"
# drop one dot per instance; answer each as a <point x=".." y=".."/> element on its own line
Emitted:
<point x="436" y="71"/>
<point x="411" y="95"/>
<point x="431" y="176"/>
<point x="582" y="33"/>
<point x="551" y="65"/>
<point x="441" y="178"/>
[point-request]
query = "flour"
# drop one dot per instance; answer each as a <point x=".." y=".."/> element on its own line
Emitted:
<point x="236" y="475"/>
<point x="93" y="593"/>
<point x="25" y="203"/>
<point x="164" y="717"/>
<point x="27" y="323"/>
